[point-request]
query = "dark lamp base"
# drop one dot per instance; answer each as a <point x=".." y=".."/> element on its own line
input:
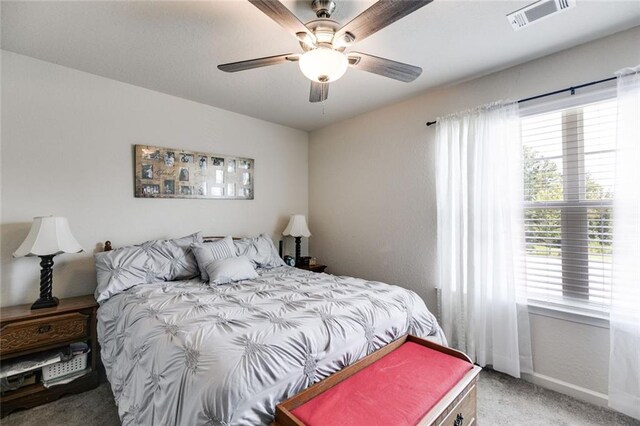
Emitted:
<point x="45" y="303"/>
<point x="298" y="250"/>
<point x="46" y="299"/>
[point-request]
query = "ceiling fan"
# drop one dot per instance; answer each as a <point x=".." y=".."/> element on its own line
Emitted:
<point x="324" y="42"/>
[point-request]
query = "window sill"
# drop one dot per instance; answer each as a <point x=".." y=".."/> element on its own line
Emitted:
<point x="595" y="319"/>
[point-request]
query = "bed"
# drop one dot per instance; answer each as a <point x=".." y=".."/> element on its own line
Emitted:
<point x="187" y="353"/>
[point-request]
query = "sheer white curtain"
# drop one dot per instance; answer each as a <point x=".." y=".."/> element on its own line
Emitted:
<point x="480" y="238"/>
<point x="624" y="359"/>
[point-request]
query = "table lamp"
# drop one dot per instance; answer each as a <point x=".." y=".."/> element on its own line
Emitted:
<point x="297" y="228"/>
<point x="49" y="236"/>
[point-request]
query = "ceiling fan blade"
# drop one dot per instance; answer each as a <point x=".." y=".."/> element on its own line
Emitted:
<point x="285" y="18"/>
<point x="258" y="62"/>
<point x="379" y="15"/>
<point x="385" y="67"/>
<point x="319" y="92"/>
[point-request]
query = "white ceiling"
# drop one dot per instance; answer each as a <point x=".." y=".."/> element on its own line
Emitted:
<point x="174" y="47"/>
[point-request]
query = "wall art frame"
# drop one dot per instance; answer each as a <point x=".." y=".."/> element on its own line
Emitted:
<point x="178" y="173"/>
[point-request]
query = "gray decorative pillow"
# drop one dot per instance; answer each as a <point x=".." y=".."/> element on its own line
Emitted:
<point x="121" y="269"/>
<point x="260" y="251"/>
<point x="231" y="269"/>
<point x="160" y="260"/>
<point x="173" y="260"/>
<point x="212" y="250"/>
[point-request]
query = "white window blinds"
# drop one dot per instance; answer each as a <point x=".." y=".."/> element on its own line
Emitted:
<point x="569" y="162"/>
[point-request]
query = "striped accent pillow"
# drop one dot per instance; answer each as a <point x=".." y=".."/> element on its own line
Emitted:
<point x="210" y="251"/>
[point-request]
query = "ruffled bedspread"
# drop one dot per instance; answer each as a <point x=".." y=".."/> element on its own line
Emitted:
<point x="185" y="353"/>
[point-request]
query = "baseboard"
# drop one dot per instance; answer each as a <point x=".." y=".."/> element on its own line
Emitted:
<point x="566" y="388"/>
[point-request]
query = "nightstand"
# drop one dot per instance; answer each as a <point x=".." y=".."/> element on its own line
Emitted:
<point x="24" y="332"/>
<point x="313" y="268"/>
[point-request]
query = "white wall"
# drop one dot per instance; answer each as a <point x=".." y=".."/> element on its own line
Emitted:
<point x="567" y="354"/>
<point x="67" y="140"/>
<point x="373" y="212"/>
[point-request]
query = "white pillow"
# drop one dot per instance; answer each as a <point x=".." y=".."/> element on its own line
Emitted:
<point x="212" y="250"/>
<point x="231" y="269"/>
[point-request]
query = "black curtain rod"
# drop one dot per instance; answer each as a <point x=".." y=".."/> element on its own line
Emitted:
<point x="571" y="89"/>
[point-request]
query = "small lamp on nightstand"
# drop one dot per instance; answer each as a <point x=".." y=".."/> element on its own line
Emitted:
<point x="297" y="228"/>
<point x="49" y="236"/>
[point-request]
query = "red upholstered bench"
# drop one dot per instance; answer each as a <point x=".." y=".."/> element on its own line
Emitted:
<point x="408" y="382"/>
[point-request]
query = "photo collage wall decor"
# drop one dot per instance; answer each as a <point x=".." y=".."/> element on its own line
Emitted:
<point x="176" y="173"/>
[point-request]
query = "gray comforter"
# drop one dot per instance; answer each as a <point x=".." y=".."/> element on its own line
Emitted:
<point x="185" y="353"/>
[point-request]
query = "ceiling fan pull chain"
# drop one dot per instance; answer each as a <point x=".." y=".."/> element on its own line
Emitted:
<point x="324" y="96"/>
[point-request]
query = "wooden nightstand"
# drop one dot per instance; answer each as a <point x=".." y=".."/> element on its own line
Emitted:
<point x="313" y="268"/>
<point x="25" y="332"/>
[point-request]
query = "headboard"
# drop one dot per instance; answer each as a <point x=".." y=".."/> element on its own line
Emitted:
<point x="108" y="247"/>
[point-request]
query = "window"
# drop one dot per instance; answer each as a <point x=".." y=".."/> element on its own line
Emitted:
<point x="569" y="162"/>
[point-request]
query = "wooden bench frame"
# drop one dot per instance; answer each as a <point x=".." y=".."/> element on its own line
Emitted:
<point x="456" y="408"/>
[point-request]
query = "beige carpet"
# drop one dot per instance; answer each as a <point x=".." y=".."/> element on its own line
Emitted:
<point x="502" y="400"/>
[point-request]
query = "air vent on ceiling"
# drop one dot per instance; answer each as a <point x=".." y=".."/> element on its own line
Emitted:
<point x="536" y="11"/>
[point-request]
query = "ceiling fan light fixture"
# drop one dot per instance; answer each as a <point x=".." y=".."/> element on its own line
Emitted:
<point x="323" y="65"/>
<point x="325" y="40"/>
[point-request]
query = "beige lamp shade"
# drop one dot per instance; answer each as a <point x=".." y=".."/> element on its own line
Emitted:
<point x="49" y="235"/>
<point x="297" y="226"/>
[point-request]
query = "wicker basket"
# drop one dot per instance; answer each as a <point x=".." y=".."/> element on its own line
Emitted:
<point x="59" y="369"/>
